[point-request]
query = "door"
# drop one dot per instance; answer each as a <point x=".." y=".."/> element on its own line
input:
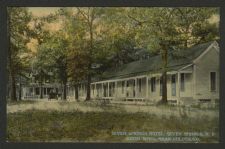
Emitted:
<point x="173" y="85"/>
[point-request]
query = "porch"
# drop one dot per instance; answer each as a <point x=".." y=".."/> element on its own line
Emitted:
<point x="145" y="88"/>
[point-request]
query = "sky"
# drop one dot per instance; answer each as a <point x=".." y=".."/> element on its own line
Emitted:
<point x="42" y="11"/>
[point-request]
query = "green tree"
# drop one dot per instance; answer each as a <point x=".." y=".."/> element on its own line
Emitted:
<point x="86" y="22"/>
<point x="160" y="29"/>
<point x="98" y="37"/>
<point x="19" y="35"/>
<point x="75" y="31"/>
<point x="52" y="57"/>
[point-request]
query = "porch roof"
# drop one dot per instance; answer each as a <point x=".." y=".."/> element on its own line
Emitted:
<point x="176" y="60"/>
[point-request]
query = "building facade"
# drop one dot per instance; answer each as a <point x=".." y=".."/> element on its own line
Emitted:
<point x="192" y="77"/>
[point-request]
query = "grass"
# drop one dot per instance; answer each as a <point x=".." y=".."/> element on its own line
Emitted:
<point x="39" y="125"/>
<point x="21" y="102"/>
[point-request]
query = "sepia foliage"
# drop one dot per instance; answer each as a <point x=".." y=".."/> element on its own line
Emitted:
<point x="93" y="40"/>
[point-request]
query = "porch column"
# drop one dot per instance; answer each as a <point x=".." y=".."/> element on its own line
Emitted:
<point x="178" y="85"/>
<point x="33" y="92"/>
<point x="115" y="89"/>
<point x="136" y="87"/>
<point x="108" y="89"/>
<point x="147" y="87"/>
<point x="95" y="89"/>
<point x="102" y="90"/>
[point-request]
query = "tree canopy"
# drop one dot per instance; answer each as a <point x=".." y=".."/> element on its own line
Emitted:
<point x="92" y="40"/>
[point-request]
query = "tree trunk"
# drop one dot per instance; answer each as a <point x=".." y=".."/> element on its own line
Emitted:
<point x="88" y="97"/>
<point x="88" y="87"/>
<point x="164" y="73"/>
<point x="20" y="91"/>
<point x="76" y="92"/>
<point x="13" y="87"/>
<point x="41" y="92"/>
<point x="41" y="83"/>
<point x="164" y="87"/>
<point x="12" y="76"/>
<point x="64" y="91"/>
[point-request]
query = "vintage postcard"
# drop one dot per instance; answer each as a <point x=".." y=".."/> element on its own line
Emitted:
<point x="113" y="74"/>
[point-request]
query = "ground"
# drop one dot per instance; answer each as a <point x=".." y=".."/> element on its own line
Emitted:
<point x="71" y="121"/>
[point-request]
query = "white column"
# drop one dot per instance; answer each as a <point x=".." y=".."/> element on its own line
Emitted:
<point x="95" y="90"/>
<point x="136" y="87"/>
<point x="115" y="90"/>
<point x="102" y="90"/>
<point x="33" y="91"/>
<point x="146" y="87"/>
<point x="178" y="85"/>
<point x="108" y="89"/>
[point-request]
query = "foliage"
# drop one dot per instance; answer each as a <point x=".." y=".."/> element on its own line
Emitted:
<point x="20" y="35"/>
<point x="93" y="39"/>
<point x="19" y="55"/>
<point x="161" y="29"/>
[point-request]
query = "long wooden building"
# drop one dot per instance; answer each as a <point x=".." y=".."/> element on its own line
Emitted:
<point x="192" y="76"/>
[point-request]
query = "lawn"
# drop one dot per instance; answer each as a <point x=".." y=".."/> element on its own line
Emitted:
<point x="77" y="126"/>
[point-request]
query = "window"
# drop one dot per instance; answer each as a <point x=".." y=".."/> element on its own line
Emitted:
<point x="182" y="85"/>
<point x="153" y="84"/>
<point x="139" y="83"/>
<point x="123" y="87"/>
<point x="213" y="81"/>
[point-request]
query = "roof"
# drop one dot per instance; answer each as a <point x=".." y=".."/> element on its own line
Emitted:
<point x="176" y="60"/>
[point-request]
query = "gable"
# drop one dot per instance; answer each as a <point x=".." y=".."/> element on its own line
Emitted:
<point x="213" y="47"/>
<point x="154" y="63"/>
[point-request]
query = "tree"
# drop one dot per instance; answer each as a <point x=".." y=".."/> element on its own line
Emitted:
<point x="52" y="57"/>
<point x="19" y="35"/>
<point x="109" y="37"/>
<point x="77" y="67"/>
<point x="161" y="29"/>
<point x="96" y="40"/>
<point x="88" y="20"/>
